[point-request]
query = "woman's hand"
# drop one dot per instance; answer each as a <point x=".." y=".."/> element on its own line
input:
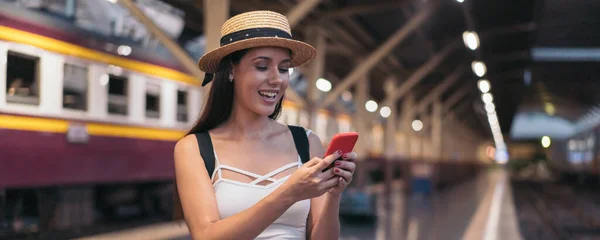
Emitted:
<point x="344" y="169"/>
<point x="310" y="180"/>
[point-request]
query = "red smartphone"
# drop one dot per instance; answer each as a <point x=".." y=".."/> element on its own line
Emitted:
<point x="341" y="141"/>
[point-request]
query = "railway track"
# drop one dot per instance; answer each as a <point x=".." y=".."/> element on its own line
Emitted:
<point x="557" y="211"/>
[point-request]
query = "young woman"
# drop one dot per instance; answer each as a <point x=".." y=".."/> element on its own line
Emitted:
<point x="259" y="188"/>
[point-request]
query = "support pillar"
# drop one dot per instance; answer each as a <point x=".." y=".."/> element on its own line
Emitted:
<point x="436" y="129"/>
<point x="390" y="123"/>
<point x="316" y="70"/>
<point x="408" y="115"/>
<point x="216" y="12"/>
<point x="362" y="118"/>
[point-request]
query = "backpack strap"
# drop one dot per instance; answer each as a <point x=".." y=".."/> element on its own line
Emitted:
<point x="206" y="151"/>
<point x="301" y="141"/>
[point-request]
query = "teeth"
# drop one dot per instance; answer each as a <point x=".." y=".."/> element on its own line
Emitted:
<point x="268" y="94"/>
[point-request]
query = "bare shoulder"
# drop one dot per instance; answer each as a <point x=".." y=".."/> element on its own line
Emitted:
<point x="186" y="145"/>
<point x="187" y="152"/>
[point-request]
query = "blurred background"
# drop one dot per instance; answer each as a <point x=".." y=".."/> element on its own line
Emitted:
<point x="478" y="119"/>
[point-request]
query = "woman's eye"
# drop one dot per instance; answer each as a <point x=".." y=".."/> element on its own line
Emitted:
<point x="260" y="68"/>
<point x="283" y="70"/>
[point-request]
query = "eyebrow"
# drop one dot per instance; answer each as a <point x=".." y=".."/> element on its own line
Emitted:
<point x="269" y="59"/>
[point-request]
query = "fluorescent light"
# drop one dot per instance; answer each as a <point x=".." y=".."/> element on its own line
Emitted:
<point x="484" y="85"/>
<point x="478" y="68"/>
<point x="323" y="85"/>
<point x="417" y="125"/>
<point x="385" y="111"/>
<point x="490" y="107"/>
<point x="471" y="40"/>
<point x="487" y="98"/>
<point x="371" y="106"/>
<point x="546" y="141"/>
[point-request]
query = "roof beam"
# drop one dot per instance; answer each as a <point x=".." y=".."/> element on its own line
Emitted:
<point x="382" y="51"/>
<point x="453" y="115"/>
<point x="455" y="98"/>
<point x="440" y="88"/>
<point x="300" y="11"/>
<point x="343" y="38"/>
<point x="423" y="71"/>
<point x="363" y="9"/>
<point x="366" y="36"/>
<point x="171" y="45"/>
<point x="566" y="54"/>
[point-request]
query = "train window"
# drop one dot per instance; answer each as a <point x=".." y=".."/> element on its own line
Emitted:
<point x="75" y="87"/>
<point x="22" y="82"/>
<point x="182" y="113"/>
<point x="117" y="95"/>
<point x="152" y="100"/>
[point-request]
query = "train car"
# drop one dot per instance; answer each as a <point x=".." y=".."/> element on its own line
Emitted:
<point x="577" y="156"/>
<point x="88" y="124"/>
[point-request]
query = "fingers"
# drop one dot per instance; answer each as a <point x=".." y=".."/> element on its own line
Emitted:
<point x="328" y="160"/>
<point x="327" y="174"/>
<point x="343" y="173"/>
<point x="346" y="165"/>
<point x="314" y="161"/>
<point x="351" y="156"/>
<point x="329" y="183"/>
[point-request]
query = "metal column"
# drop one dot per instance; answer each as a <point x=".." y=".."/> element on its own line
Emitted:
<point x="436" y="129"/>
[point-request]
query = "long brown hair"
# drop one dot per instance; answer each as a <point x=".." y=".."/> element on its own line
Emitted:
<point x="218" y="109"/>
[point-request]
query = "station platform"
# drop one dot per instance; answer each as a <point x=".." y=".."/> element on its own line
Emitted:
<point x="478" y="208"/>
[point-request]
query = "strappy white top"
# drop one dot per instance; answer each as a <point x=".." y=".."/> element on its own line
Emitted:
<point x="234" y="197"/>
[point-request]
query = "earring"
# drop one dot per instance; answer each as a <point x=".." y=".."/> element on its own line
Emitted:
<point x="231" y="77"/>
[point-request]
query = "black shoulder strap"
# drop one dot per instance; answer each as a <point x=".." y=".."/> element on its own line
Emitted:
<point x="301" y="141"/>
<point x="206" y="151"/>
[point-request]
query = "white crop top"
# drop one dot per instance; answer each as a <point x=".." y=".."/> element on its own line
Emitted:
<point x="234" y="196"/>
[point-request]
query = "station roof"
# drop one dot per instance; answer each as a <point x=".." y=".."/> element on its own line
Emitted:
<point x="509" y="31"/>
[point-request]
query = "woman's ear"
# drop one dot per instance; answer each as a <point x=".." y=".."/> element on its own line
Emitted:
<point x="231" y="72"/>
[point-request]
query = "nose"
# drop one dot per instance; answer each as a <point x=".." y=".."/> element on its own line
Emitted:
<point x="274" y="76"/>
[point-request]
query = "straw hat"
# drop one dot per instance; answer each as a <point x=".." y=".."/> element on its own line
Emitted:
<point x="255" y="29"/>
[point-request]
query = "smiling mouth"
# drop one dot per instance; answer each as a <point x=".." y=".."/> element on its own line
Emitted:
<point x="269" y="95"/>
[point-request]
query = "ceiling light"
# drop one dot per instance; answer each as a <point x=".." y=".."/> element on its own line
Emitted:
<point x="478" y="68"/>
<point x="471" y="40"/>
<point x="371" y="106"/>
<point x="484" y="85"/>
<point x="487" y="98"/>
<point x="323" y="85"/>
<point x="385" y="111"/>
<point x="549" y="108"/>
<point x="546" y="141"/>
<point x="490" y="107"/>
<point x="417" y="125"/>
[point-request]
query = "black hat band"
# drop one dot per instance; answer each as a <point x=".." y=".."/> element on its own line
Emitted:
<point x="247" y="34"/>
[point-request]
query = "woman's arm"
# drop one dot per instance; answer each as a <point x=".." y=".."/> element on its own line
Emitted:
<point x="323" y="221"/>
<point x="200" y="206"/>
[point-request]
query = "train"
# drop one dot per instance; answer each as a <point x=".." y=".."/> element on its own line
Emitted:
<point x="88" y="124"/>
<point x="576" y="157"/>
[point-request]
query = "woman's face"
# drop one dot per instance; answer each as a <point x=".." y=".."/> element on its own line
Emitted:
<point x="261" y="78"/>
